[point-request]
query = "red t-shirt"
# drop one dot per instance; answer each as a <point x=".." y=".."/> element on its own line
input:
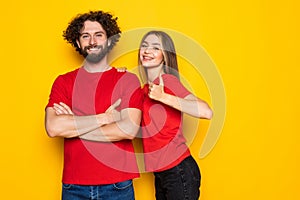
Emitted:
<point x="163" y="141"/>
<point x="93" y="163"/>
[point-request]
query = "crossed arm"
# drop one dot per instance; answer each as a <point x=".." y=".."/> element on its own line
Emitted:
<point x="109" y="126"/>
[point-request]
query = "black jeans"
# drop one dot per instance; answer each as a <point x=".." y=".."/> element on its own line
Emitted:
<point x="181" y="182"/>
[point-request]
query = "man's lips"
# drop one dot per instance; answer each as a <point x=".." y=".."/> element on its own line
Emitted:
<point x="93" y="48"/>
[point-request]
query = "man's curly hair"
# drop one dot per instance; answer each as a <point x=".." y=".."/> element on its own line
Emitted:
<point x="107" y="21"/>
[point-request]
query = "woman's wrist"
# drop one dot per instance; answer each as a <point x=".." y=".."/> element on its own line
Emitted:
<point x="169" y="100"/>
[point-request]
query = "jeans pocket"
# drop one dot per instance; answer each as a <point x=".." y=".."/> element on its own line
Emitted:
<point x="66" y="186"/>
<point x="123" y="185"/>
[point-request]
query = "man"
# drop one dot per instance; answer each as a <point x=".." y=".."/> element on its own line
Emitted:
<point x="97" y="110"/>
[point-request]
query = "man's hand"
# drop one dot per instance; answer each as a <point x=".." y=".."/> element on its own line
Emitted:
<point x="62" y="122"/>
<point x="62" y="109"/>
<point x="156" y="92"/>
<point x="112" y="114"/>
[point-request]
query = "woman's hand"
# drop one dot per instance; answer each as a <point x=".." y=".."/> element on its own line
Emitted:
<point x="121" y="69"/>
<point x="157" y="92"/>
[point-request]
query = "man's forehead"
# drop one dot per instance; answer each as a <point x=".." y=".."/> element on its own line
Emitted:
<point x="92" y="26"/>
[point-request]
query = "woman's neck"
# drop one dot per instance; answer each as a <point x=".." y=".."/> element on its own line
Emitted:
<point x="153" y="73"/>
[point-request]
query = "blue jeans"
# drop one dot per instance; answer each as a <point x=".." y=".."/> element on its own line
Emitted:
<point x="181" y="182"/>
<point x="118" y="191"/>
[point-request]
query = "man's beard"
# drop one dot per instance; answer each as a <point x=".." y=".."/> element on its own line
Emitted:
<point x="95" y="57"/>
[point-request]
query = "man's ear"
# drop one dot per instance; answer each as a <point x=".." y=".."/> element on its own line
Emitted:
<point x="78" y="43"/>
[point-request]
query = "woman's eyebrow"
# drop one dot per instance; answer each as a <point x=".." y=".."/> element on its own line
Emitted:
<point x="155" y="43"/>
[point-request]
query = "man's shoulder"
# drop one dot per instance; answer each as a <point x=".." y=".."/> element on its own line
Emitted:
<point x="70" y="73"/>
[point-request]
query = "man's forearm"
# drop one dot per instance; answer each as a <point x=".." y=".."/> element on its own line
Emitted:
<point x="126" y="128"/>
<point x="69" y="126"/>
<point x="110" y="133"/>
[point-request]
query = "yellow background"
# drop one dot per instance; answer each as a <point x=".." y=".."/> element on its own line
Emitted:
<point x="255" y="46"/>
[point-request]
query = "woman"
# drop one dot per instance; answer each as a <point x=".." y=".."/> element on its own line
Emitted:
<point x="177" y="175"/>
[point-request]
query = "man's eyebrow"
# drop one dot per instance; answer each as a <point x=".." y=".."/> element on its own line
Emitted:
<point x="93" y="33"/>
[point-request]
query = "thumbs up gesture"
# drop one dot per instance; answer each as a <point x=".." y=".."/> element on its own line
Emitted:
<point x="156" y="92"/>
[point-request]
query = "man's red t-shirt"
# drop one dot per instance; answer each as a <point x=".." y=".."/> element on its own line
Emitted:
<point x="88" y="162"/>
<point x="163" y="141"/>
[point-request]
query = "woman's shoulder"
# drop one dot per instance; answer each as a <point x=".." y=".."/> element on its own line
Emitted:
<point x="170" y="78"/>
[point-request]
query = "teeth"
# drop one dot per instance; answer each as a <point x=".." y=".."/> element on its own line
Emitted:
<point x="93" y="49"/>
<point x="147" y="58"/>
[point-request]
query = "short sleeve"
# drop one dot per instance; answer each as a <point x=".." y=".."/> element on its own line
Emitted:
<point x="131" y="92"/>
<point x="58" y="92"/>
<point x="174" y="86"/>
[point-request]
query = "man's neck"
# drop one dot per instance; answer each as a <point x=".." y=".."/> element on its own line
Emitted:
<point x="101" y="66"/>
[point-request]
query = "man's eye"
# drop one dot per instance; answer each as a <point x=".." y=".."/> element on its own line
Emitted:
<point x="85" y="36"/>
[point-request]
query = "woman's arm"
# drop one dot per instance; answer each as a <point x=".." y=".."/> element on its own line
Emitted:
<point x="191" y="104"/>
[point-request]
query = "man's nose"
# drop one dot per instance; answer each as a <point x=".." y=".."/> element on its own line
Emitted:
<point x="92" y="40"/>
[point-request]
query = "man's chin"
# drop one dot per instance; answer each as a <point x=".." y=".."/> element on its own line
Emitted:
<point x="94" y="58"/>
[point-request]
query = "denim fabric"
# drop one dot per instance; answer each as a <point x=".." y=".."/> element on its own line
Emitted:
<point x="117" y="191"/>
<point x="181" y="182"/>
